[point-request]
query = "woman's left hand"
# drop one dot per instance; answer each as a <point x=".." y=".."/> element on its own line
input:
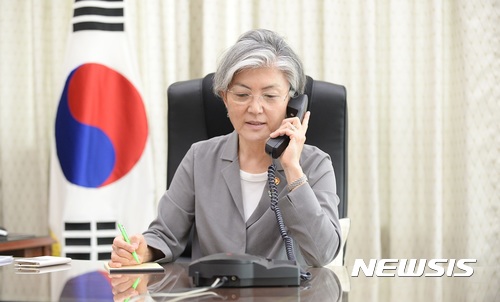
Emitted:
<point x="296" y="130"/>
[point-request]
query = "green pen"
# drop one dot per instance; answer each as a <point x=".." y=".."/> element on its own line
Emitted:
<point x="134" y="286"/>
<point x="125" y="236"/>
<point x="136" y="283"/>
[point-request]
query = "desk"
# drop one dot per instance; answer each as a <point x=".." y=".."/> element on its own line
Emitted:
<point x="19" y="245"/>
<point x="86" y="280"/>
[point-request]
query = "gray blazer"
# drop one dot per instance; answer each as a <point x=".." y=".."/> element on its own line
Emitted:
<point x="206" y="191"/>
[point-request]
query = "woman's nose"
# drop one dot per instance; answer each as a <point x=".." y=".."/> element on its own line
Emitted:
<point x="255" y="105"/>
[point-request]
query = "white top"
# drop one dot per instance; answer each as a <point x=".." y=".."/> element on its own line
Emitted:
<point x="252" y="186"/>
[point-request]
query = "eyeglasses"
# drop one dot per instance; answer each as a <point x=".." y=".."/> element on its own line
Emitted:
<point x="244" y="97"/>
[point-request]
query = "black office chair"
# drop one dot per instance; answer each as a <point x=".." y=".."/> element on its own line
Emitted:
<point x="195" y="113"/>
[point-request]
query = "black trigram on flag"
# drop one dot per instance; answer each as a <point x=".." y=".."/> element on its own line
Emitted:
<point x="98" y="15"/>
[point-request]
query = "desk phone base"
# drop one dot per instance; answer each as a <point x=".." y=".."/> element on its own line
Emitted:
<point x="242" y="270"/>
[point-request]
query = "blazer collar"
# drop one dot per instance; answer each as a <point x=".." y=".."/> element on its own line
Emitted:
<point x="230" y="151"/>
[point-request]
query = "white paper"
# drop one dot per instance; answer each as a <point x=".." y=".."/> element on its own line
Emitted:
<point x="41" y="261"/>
<point x="4" y="260"/>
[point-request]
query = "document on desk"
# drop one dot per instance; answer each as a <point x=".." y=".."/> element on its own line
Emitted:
<point x="148" y="267"/>
<point x="41" y="270"/>
<point x="4" y="260"/>
<point x="41" y="261"/>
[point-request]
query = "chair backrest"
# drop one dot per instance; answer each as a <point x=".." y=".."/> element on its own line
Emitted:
<point x="195" y="113"/>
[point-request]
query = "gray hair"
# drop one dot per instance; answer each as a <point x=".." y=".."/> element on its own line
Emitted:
<point x="260" y="48"/>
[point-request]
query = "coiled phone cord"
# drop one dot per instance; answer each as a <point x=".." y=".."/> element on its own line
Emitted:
<point x="273" y="190"/>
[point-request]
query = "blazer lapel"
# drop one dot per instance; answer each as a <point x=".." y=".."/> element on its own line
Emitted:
<point x="265" y="200"/>
<point x="231" y="172"/>
<point x="280" y="178"/>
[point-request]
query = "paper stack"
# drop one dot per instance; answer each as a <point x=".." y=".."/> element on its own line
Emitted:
<point x="42" y="264"/>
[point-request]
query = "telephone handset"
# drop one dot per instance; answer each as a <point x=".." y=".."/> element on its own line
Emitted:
<point x="297" y="106"/>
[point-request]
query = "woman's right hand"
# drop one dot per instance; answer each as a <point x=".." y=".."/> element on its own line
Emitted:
<point x="122" y="285"/>
<point x="121" y="255"/>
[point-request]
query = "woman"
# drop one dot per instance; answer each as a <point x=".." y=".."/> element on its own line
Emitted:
<point x="221" y="184"/>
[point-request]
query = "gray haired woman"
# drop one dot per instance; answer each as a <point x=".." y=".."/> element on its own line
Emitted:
<point x="220" y="188"/>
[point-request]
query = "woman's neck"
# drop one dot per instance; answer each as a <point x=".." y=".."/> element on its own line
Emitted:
<point x="253" y="157"/>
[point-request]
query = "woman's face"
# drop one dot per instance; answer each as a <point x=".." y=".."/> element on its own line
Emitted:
<point x="256" y="102"/>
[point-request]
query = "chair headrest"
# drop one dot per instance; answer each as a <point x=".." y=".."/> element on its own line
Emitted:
<point x="215" y="111"/>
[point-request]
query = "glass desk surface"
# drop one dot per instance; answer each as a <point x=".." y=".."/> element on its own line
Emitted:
<point x="89" y="281"/>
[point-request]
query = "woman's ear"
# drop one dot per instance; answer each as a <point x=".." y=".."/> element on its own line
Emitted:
<point x="223" y="96"/>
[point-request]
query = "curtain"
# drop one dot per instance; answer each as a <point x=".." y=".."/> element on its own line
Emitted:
<point x="423" y="99"/>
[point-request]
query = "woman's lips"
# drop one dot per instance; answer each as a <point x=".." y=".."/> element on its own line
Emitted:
<point x="255" y="124"/>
